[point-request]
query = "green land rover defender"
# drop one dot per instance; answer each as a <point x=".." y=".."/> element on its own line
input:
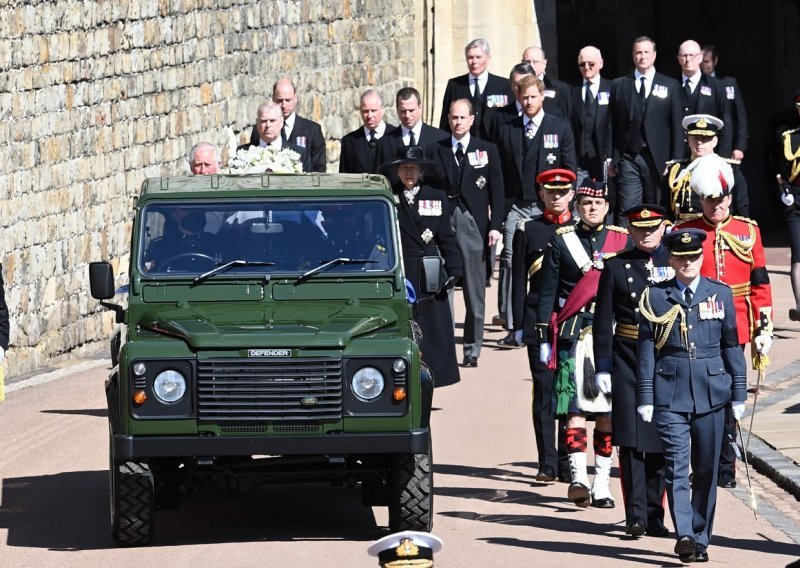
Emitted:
<point x="268" y="337"/>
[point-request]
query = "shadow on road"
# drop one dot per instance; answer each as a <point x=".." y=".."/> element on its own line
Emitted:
<point x="98" y="412"/>
<point x="69" y="511"/>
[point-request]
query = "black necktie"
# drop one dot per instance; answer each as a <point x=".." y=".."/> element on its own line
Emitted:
<point x="687" y="295"/>
<point x="687" y="89"/>
<point x="284" y="134"/>
<point x="373" y="141"/>
<point x="412" y="140"/>
<point x="588" y="99"/>
<point x="459" y="154"/>
<point x="642" y="91"/>
<point x="477" y="89"/>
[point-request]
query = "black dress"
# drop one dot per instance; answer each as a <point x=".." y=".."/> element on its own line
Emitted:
<point x="425" y="231"/>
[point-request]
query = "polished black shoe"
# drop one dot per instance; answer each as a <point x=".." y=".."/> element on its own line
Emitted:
<point x="499" y="320"/>
<point x="578" y="493"/>
<point x="685" y="548"/>
<point x="603" y="503"/>
<point x="635" y="527"/>
<point x="794" y="314"/>
<point x="726" y="481"/>
<point x="545" y="474"/>
<point x="657" y="529"/>
<point x="700" y="553"/>
<point x="509" y="342"/>
<point x="470" y="361"/>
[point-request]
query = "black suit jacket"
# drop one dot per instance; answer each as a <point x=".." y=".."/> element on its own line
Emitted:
<point x="557" y="98"/>
<point x="478" y="184"/>
<point x="733" y="94"/>
<point x="4" y="326"/>
<point x="710" y="99"/>
<point x="305" y="134"/>
<point x="304" y="156"/>
<point x="553" y="147"/>
<point x="662" y="118"/>
<point x="356" y="156"/>
<point x="600" y="129"/>
<point x="496" y="95"/>
<point x="391" y="142"/>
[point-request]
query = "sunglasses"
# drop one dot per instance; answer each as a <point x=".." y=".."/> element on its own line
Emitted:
<point x="586" y="64"/>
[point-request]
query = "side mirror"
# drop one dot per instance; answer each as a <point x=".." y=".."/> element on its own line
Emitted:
<point x="101" y="280"/>
<point x="101" y="286"/>
<point x="432" y="274"/>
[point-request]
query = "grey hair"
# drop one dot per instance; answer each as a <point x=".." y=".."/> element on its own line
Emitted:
<point x="200" y="145"/>
<point x="370" y="92"/>
<point x="479" y="42"/>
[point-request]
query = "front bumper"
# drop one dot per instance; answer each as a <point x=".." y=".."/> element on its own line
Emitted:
<point x="126" y="447"/>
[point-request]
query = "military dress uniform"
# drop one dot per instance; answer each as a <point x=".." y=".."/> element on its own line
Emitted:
<point x="530" y="244"/>
<point x="684" y="204"/>
<point x="690" y="366"/>
<point x="789" y="161"/>
<point x="567" y="290"/>
<point x="615" y="330"/>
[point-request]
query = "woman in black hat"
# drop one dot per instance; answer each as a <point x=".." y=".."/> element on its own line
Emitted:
<point x="424" y="218"/>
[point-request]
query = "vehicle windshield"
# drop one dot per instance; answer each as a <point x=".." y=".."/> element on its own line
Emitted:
<point x="272" y="237"/>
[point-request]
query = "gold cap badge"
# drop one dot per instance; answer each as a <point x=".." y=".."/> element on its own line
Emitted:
<point x="702" y="123"/>
<point x="645" y="214"/>
<point x="686" y="238"/>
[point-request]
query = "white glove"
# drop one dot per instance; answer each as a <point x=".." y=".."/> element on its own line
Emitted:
<point x="2" y="354"/>
<point x="544" y="353"/>
<point x="603" y="381"/>
<point x="646" y="412"/>
<point x="788" y="199"/>
<point x="518" y="336"/>
<point x="762" y="342"/>
<point x="738" y="410"/>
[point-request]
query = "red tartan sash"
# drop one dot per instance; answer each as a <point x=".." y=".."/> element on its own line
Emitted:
<point x="583" y="293"/>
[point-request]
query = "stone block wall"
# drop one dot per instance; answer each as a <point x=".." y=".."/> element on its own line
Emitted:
<point x="96" y="96"/>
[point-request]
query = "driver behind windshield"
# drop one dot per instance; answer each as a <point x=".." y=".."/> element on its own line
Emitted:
<point x="184" y="245"/>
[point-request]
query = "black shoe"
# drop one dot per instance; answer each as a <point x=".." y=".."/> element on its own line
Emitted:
<point x="545" y="474"/>
<point x="509" y="342"/>
<point x="657" y="529"/>
<point x="635" y="527"/>
<point x="700" y="553"/>
<point x="726" y="480"/>
<point x="578" y="493"/>
<point x="685" y="548"/>
<point x="794" y="314"/>
<point x="564" y="476"/>
<point x="603" y="503"/>
<point x="470" y="361"/>
<point x="498" y="320"/>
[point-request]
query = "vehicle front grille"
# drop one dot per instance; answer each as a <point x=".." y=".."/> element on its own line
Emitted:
<point x="275" y="390"/>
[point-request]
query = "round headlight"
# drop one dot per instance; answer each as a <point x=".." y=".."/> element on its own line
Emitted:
<point x="399" y="366"/>
<point x="139" y="368"/>
<point x="169" y="386"/>
<point x="368" y="383"/>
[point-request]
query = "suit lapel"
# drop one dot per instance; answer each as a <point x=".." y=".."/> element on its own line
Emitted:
<point x="448" y="160"/>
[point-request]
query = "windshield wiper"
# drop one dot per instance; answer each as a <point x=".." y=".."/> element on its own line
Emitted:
<point x="227" y="266"/>
<point x="328" y="264"/>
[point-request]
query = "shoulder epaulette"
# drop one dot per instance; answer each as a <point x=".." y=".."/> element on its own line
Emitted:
<point x="671" y="162"/>
<point x="617" y="229"/>
<point x="565" y="229"/>
<point x="521" y="223"/>
<point x="746" y="219"/>
<point x="791" y="131"/>
<point x="718" y="282"/>
<point x="732" y="161"/>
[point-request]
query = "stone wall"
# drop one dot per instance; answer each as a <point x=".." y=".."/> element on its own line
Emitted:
<point x="95" y="96"/>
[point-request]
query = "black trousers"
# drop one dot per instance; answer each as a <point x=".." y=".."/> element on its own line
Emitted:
<point x="727" y="455"/>
<point x="643" y="485"/>
<point x="551" y="454"/>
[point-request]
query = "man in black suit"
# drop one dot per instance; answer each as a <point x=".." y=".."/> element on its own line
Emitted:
<point x="411" y="132"/>
<point x="528" y="144"/>
<point x="703" y="95"/>
<point x="590" y="123"/>
<point x="500" y="116"/>
<point x="360" y="147"/>
<point x="473" y="181"/>
<point x="734" y="96"/>
<point x="646" y="129"/>
<point x="556" y="93"/>
<point x="269" y="124"/>
<point x="485" y="91"/>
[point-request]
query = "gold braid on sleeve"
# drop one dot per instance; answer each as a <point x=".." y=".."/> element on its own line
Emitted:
<point x="665" y="322"/>
<point x="792" y="156"/>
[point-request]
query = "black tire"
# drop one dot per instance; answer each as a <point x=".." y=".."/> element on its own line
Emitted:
<point x="411" y="506"/>
<point x="132" y="503"/>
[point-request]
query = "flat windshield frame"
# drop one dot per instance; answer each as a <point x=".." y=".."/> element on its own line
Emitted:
<point x="186" y="239"/>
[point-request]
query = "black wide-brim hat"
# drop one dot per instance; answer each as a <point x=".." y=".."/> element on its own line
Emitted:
<point x="408" y="155"/>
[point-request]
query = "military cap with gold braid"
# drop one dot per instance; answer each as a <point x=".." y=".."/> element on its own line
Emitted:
<point x="406" y="549"/>
<point x="645" y="215"/>
<point x="555" y="179"/>
<point x="702" y="124"/>
<point x="684" y="242"/>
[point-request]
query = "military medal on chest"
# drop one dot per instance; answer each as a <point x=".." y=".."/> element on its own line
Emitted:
<point x="710" y="308"/>
<point x="656" y="274"/>
<point x="429" y="208"/>
<point x="427" y="236"/>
